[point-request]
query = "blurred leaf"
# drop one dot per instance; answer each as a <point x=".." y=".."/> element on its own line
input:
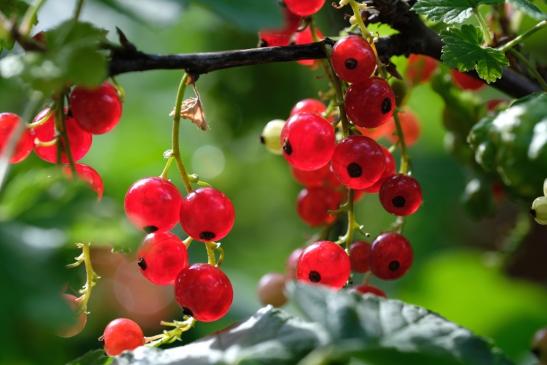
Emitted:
<point x="449" y="11"/>
<point x="528" y="8"/>
<point x="10" y="8"/>
<point x="95" y="357"/>
<point x="477" y="198"/>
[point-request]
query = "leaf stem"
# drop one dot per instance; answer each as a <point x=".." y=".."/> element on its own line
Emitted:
<point x="78" y="10"/>
<point x="484" y="26"/>
<point x="30" y="17"/>
<point x="176" y="131"/>
<point x="170" y="336"/>
<point x="513" y="42"/>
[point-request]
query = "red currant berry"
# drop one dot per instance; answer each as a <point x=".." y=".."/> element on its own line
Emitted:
<point x="306" y="37"/>
<point x="390" y="256"/>
<point x="359" y="252"/>
<point x="79" y="318"/>
<point x="388" y="172"/>
<point x="370" y="104"/>
<point x="8" y="124"/>
<point x="324" y="262"/>
<point x="153" y="204"/>
<point x="358" y="162"/>
<point x="378" y="132"/>
<point x="401" y="195"/>
<point x="78" y="139"/>
<point x="420" y="68"/>
<point x="161" y="257"/>
<point x="492" y="105"/>
<point x="316" y="178"/>
<point x="409" y="125"/>
<point x="308" y="141"/>
<point x="120" y="335"/>
<point x="207" y="215"/>
<point x="353" y="59"/>
<point x="304" y="7"/>
<point x="204" y="292"/>
<point x="292" y="261"/>
<point x="466" y="82"/>
<point x="370" y="289"/>
<point x="313" y="106"/>
<point x="89" y="175"/>
<point x="274" y="38"/>
<point x="314" y="204"/>
<point x="96" y="110"/>
<point x="271" y="289"/>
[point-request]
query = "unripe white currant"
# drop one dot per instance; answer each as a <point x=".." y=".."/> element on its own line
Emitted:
<point x="539" y="210"/>
<point x="545" y="187"/>
<point x="271" y="136"/>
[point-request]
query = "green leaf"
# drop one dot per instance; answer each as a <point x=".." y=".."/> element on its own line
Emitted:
<point x="95" y="357"/>
<point x="10" y="8"/>
<point x="462" y="49"/>
<point x="528" y="8"/>
<point x="449" y="11"/>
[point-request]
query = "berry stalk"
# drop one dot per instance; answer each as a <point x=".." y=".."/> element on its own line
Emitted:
<point x="91" y="276"/>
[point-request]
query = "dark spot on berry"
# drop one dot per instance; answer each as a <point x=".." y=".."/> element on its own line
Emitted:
<point x="262" y="140"/>
<point x="69" y="113"/>
<point x="394" y="265"/>
<point x="142" y="263"/>
<point x="398" y="201"/>
<point x="263" y="43"/>
<point x="386" y="105"/>
<point x="207" y="235"/>
<point x="354" y="170"/>
<point x="187" y="312"/>
<point x="533" y="213"/>
<point x="287" y="148"/>
<point x="314" y="276"/>
<point x="150" y="229"/>
<point x="350" y="63"/>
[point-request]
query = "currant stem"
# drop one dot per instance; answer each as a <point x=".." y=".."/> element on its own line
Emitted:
<point x="405" y="159"/>
<point x="60" y="127"/>
<point x="165" y="172"/>
<point x="170" y="336"/>
<point x="30" y="17"/>
<point x="91" y="276"/>
<point x="78" y="10"/>
<point x="351" y="220"/>
<point x="484" y="26"/>
<point x="211" y="257"/>
<point x="507" y="46"/>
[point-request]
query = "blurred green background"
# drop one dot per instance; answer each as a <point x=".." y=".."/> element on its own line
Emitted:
<point x="41" y="215"/>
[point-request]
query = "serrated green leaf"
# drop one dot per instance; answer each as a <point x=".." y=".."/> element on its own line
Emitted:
<point x="95" y="357"/>
<point x="528" y="8"/>
<point x="449" y="11"/>
<point x="462" y="49"/>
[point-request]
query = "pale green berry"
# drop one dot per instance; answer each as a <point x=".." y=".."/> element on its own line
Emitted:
<point x="271" y="136"/>
<point x="545" y="187"/>
<point x="539" y="210"/>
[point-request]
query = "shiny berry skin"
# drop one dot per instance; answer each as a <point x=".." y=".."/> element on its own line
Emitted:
<point x="370" y="104"/>
<point x="389" y="171"/>
<point x="390" y="256"/>
<point x="310" y="105"/>
<point x="316" y="178"/>
<point x="292" y="261"/>
<point x="8" y="124"/>
<point x="466" y="82"/>
<point x="271" y="289"/>
<point x="313" y="205"/>
<point x="324" y="262"/>
<point x="207" y="214"/>
<point x="420" y="68"/>
<point x="281" y="36"/>
<point x="304" y="7"/>
<point x="79" y="140"/>
<point x="401" y="195"/>
<point x="358" y="162"/>
<point x="353" y="59"/>
<point x="79" y="318"/>
<point x="161" y="257"/>
<point x="271" y="136"/>
<point x="308" y="141"/>
<point x="121" y="335"/>
<point x="359" y="252"/>
<point x="204" y="292"/>
<point x="305" y="37"/>
<point x="96" y="110"/>
<point x="370" y="289"/>
<point x="153" y="204"/>
<point x="410" y="126"/>
<point x="89" y="175"/>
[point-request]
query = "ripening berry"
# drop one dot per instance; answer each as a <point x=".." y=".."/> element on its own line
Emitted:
<point x="292" y="261"/>
<point x="207" y="214"/>
<point x="359" y="252"/>
<point x="370" y="104"/>
<point x="539" y="345"/>
<point x="78" y="139"/>
<point x="324" y="262"/>
<point x="161" y="257"/>
<point x="121" y="335"/>
<point x="96" y="110"/>
<point x="89" y="175"/>
<point x="204" y="292"/>
<point x="401" y="195"/>
<point x="313" y="205"/>
<point x="271" y="136"/>
<point x="390" y="256"/>
<point x="420" y="68"/>
<point x="304" y="7"/>
<point x="8" y="125"/>
<point x="353" y="59"/>
<point x="410" y="126"/>
<point x="358" y="162"/>
<point x="305" y="37"/>
<point x="310" y="105"/>
<point x="389" y="171"/>
<point x="308" y="141"/>
<point x="153" y="204"/>
<point x="466" y="82"/>
<point x="316" y="178"/>
<point x="370" y="289"/>
<point x="79" y="318"/>
<point x="271" y="289"/>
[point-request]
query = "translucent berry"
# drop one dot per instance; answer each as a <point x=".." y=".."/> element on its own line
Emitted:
<point x="304" y="7"/>
<point x="539" y="210"/>
<point x="292" y="261"/>
<point x="401" y="195"/>
<point x="353" y="59"/>
<point x="281" y="36"/>
<point x="271" y="289"/>
<point x="389" y="171"/>
<point x="358" y="162"/>
<point x="271" y="136"/>
<point x="305" y="37"/>
<point x="96" y="110"/>
<point x="314" y="204"/>
<point x="79" y="318"/>
<point x="204" y="292"/>
<point x="312" y="106"/>
<point x="466" y="82"/>
<point x="378" y="132"/>
<point x="89" y="175"/>
<point x="316" y="178"/>
<point x="207" y="215"/>
<point x="410" y="126"/>
<point x="359" y="252"/>
<point x="8" y="125"/>
<point x="78" y="139"/>
<point x="370" y="289"/>
<point x="420" y="68"/>
<point x="161" y="257"/>
<point x="308" y="141"/>
<point x="370" y="104"/>
<point x="153" y="204"/>
<point x="390" y="256"/>
<point x="121" y="335"/>
<point x="324" y="262"/>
